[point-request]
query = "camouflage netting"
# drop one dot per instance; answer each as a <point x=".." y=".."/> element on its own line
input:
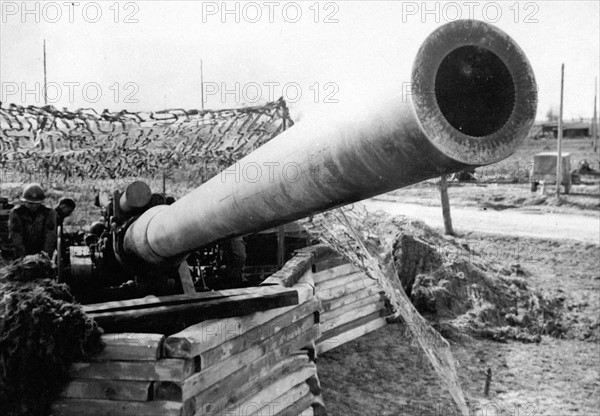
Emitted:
<point x="86" y="144"/>
<point x="364" y="240"/>
<point x="42" y="331"/>
<point x="460" y="292"/>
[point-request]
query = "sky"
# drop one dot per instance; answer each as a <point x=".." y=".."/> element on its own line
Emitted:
<point x="146" y="55"/>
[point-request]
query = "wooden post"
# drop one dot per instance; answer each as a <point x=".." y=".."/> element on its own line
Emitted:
<point x="202" y="83"/>
<point x="488" y="381"/>
<point x="280" y="246"/>
<point x="446" y="205"/>
<point x="187" y="283"/>
<point x="560" y="134"/>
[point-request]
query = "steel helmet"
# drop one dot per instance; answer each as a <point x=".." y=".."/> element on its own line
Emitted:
<point x="33" y="193"/>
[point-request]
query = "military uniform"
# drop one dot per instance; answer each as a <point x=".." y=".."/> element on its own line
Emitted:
<point x="32" y="232"/>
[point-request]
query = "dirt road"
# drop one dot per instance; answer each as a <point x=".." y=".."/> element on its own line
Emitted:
<point x="585" y="228"/>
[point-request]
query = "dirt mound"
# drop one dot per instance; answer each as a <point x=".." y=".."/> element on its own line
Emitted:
<point x="460" y="292"/>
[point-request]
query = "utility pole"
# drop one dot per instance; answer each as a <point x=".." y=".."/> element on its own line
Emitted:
<point x="595" y="119"/>
<point x="560" y="133"/>
<point x="202" y="83"/>
<point x="45" y="79"/>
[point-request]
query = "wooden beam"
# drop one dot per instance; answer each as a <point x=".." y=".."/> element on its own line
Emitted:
<point x="333" y="272"/>
<point x="336" y="319"/>
<point x="130" y="346"/>
<point x="333" y="261"/>
<point x="343" y="290"/>
<point x="249" y="362"/>
<point x="299" y="407"/>
<point x="335" y="304"/>
<point x="167" y="369"/>
<point x="283" y="401"/>
<point x="340" y="339"/>
<point x="287" y="390"/>
<point x="152" y="301"/>
<point x="207" y="335"/>
<point x="174" y="318"/>
<point x="342" y="280"/>
<point x="238" y="388"/>
<point x="333" y="330"/>
<point x="98" y="407"/>
<point x="354" y="309"/>
<point x="108" y="389"/>
<point x="265" y="339"/>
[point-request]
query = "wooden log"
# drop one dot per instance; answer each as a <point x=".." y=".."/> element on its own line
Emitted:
<point x="227" y="397"/>
<point x="343" y="290"/>
<point x="329" y="263"/>
<point x="352" y="316"/>
<point x="174" y="318"/>
<point x="153" y="301"/>
<point x="350" y="335"/>
<point x="335" y="304"/>
<point x="249" y="381"/>
<point x="341" y="280"/>
<point x="353" y="310"/>
<point x="297" y="407"/>
<point x="207" y="335"/>
<point x="293" y="325"/>
<point x="130" y="346"/>
<point x="319" y="252"/>
<point x="292" y="271"/>
<point x="247" y="363"/>
<point x="167" y="369"/>
<point x="332" y="331"/>
<point x="108" y="389"/>
<point x="338" y="271"/>
<point x="276" y="397"/>
<point x="98" y="407"/>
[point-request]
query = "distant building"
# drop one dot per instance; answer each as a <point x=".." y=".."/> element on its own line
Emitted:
<point x="570" y="129"/>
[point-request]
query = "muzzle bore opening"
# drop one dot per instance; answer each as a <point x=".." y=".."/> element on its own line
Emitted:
<point x="475" y="91"/>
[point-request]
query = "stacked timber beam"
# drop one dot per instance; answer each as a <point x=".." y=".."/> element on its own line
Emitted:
<point x="241" y="351"/>
<point x="352" y="303"/>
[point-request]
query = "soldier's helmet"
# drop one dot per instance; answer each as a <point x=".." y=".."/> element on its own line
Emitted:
<point x="33" y="193"/>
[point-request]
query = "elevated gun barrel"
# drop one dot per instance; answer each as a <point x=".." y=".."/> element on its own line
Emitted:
<point x="472" y="100"/>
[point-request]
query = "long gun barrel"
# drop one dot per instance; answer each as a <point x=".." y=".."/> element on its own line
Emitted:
<point x="472" y="100"/>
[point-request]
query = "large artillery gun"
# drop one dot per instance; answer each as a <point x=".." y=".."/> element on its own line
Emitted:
<point x="471" y="101"/>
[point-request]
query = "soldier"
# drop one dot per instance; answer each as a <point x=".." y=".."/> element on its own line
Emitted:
<point x="65" y="208"/>
<point x="32" y="226"/>
<point x="234" y="259"/>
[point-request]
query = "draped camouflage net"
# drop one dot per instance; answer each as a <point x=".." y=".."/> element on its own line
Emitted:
<point x="365" y="239"/>
<point x="85" y="144"/>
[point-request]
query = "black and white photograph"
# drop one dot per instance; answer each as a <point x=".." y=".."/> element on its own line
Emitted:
<point x="299" y="208"/>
